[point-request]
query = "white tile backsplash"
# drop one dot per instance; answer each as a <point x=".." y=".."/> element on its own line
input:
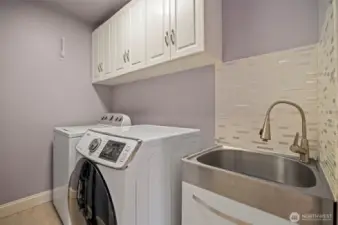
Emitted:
<point x="246" y="88"/>
<point x="327" y="95"/>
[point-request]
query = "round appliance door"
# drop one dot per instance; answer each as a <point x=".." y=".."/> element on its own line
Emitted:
<point x="89" y="200"/>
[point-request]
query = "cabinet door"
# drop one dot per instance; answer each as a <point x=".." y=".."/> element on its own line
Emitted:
<point x="202" y="207"/>
<point x="98" y="53"/>
<point x="137" y="34"/>
<point x="187" y="27"/>
<point x="101" y="51"/>
<point x="95" y="55"/>
<point x="113" y="46"/>
<point x="157" y="23"/>
<point x="121" y="41"/>
<point x="107" y="48"/>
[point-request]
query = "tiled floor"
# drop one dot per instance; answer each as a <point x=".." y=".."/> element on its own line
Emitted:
<point x="42" y="214"/>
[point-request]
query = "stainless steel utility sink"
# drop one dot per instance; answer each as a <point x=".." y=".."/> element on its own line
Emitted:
<point x="268" y="167"/>
<point x="276" y="184"/>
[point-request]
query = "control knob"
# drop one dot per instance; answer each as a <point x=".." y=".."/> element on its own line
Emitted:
<point x="94" y="144"/>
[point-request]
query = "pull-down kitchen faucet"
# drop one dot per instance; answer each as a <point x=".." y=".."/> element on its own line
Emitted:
<point x="303" y="148"/>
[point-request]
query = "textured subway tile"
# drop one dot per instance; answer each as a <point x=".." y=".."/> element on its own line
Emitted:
<point x="327" y="92"/>
<point x="288" y="75"/>
<point x="265" y="148"/>
<point x="258" y="142"/>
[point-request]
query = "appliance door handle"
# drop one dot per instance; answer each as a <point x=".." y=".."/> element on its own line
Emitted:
<point x="81" y="197"/>
<point x="82" y="191"/>
<point x="219" y="213"/>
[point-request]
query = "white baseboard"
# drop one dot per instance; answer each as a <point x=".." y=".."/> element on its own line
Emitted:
<point x="25" y="203"/>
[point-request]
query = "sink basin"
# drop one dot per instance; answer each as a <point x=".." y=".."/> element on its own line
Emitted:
<point x="267" y="167"/>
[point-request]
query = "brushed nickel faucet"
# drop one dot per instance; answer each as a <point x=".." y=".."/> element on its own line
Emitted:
<point x="303" y="148"/>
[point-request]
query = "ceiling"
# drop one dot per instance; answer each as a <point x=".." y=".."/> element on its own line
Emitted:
<point x="92" y="12"/>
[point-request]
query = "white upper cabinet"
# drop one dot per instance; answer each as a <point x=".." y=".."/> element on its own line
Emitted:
<point x="95" y="54"/>
<point x="112" y="46"/>
<point x="149" y="38"/>
<point x="98" y="54"/>
<point x="158" y="26"/>
<point x="187" y="27"/>
<point x="122" y="55"/>
<point x="101" y="52"/>
<point x="107" y="49"/>
<point x="137" y="34"/>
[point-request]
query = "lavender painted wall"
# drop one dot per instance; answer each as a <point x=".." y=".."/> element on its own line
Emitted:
<point x="39" y="91"/>
<point x="257" y="27"/>
<point x="183" y="99"/>
<point x="249" y="28"/>
<point x="322" y="7"/>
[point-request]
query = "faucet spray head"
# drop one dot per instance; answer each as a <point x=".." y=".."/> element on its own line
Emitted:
<point x="265" y="132"/>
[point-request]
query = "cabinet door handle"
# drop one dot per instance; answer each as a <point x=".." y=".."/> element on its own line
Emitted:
<point x="124" y="57"/>
<point x="219" y="213"/>
<point x="127" y="55"/>
<point x="166" y="37"/>
<point x="172" y="36"/>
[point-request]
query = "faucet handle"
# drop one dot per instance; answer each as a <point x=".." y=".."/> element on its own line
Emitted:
<point x="260" y="132"/>
<point x="294" y="147"/>
<point x="295" y="141"/>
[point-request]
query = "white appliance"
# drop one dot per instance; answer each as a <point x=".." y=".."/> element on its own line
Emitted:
<point x="130" y="176"/>
<point x="64" y="157"/>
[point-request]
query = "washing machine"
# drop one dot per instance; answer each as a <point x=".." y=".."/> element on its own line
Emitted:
<point x="130" y="176"/>
<point x="64" y="157"/>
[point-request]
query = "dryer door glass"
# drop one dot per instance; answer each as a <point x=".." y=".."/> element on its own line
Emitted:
<point x="89" y="201"/>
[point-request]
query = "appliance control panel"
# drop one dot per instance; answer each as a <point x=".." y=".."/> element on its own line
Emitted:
<point x="115" y="119"/>
<point x="108" y="150"/>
